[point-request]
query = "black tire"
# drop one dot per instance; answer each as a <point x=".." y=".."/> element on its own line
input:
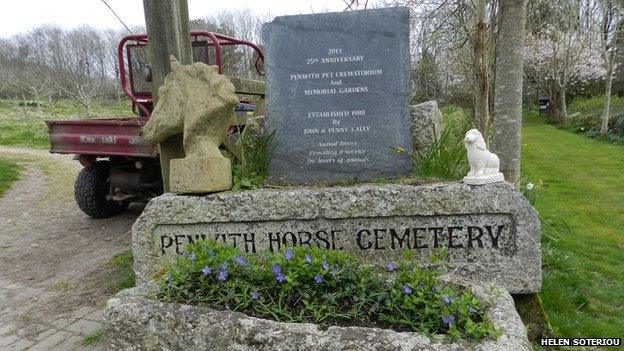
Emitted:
<point x="91" y="189"/>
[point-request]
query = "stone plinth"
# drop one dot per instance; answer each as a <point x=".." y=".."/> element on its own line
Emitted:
<point x="491" y="232"/>
<point x="196" y="175"/>
<point x="134" y="322"/>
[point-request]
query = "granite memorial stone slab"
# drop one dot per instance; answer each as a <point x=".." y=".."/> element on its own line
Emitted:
<point x="491" y="233"/>
<point x="338" y="95"/>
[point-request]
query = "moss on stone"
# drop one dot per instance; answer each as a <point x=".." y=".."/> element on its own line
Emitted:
<point x="531" y="311"/>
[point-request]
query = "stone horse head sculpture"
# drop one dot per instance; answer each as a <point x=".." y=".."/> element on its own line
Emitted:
<point x="199" y="102"/>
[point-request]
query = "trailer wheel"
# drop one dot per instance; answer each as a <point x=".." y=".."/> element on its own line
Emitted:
<point x="91" y="188"/>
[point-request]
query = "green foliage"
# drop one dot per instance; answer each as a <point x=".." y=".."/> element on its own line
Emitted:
<point x="592" y="107"/>
<point x="9" y="172"/>
<point x="29" y="103"/>
<point x="530" y="190"/>
<point x="22" y="122"/>
<point x="446" y="159"/>
<point x="620" y="127"/>
<point x="324" y="287"/>
<point x="93" y="338"/>
<point x="581" y="204"/>
<point x="585" y="118"/>
<point x="122" y="274"/>
<point x="253" y="169"/>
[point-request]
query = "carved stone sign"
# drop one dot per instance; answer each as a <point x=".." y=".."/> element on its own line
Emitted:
<point x="337" y="95"/>
<point x="472" y="232"/>
<point x="490" y="233"/>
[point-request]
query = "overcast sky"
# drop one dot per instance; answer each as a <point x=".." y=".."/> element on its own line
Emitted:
<point x="20" y="15"/>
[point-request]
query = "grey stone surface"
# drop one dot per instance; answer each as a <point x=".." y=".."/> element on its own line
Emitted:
<point x="338" y="95"/>
<point x="491" y="232"/>
<point x="26" y="323"/>
<point x="84" y="326"/>
<point x="51" y="342"/>
<point x="134" y="322"/>
<point x="427" y="125"/>
<point x="19" y="345"/>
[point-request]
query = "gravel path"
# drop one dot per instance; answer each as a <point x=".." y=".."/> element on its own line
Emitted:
<point x="53" y="257"/>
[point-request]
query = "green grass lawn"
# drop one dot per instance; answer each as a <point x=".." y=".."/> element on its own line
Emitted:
<point x="121" y="275"/>
<point x="582" y="207"/>
<point x="25" y="126"/>
<point x="9" y="172"/>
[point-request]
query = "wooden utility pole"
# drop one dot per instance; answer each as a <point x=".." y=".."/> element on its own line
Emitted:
<point x="508" y="88"/>
<point x="167" y="25"/>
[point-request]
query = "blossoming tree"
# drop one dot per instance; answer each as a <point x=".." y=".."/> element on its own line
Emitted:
<point x="562" y="52"/>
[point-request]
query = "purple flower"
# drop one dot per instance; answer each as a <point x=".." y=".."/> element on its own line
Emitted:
<point x="447" y="299"/>
<point x="280" y="277"/>
<point x="192" y="257"/>
<point x="222" y="275"/>
<point x="276" y="269"/>
<point x="308" y="258"/>
<point x="206" y="270"/>
<point x="448" y="319"/>
<point x="289" y="255"/>
<point x="318" y="279"/>
<point x="406" y="289"/>
<point x="391" y="267"/>
<point x="240" y="260"/>
<point x="255" y="295"/>
<point x="325" y="265"/>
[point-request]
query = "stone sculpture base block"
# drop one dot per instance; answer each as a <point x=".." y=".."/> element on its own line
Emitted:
<point x="486" y="179"/>
<point x="491" y="233"/>
<point x="134" y="322"/>
<point x="194" y="175"/>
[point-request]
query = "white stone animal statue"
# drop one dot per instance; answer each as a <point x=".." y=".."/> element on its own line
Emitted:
<point x="484" y="165"/>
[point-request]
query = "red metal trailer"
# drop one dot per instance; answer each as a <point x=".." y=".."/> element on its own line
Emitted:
<point x="119" y="165"/>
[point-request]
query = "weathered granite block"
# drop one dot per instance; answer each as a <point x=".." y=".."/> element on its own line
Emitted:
<point x="427" y="125"/>
<point x="491" y="233"/>
<point x="338" y="89"/>
<point x="134" y="322"/>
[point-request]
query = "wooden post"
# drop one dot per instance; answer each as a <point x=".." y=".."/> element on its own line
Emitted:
<point x="508" y="88"/>
<point x="167" y="25"/>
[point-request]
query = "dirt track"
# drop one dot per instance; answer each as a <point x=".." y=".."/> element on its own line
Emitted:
<point x="52" y="256"/>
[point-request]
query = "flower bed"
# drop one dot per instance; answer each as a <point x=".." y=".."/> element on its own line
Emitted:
<point x="309" y="285"/>
<point x="135" y="321"/>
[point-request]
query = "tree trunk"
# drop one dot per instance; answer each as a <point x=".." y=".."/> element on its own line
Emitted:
<point x="508" y="88"/>
<point x="563" y="107"/>
<point x="606" y="111"/>
<point x="482" y="116"/>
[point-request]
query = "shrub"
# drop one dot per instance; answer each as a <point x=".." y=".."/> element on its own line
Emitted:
<point x="324" y="287"/>
<point x="446" y="159"/>
<point x="620" y="126"/>
<point x="530" y="190"/>
<point x="592" y="107"/>
<point x="252" y="170"/>
<point x="585" y="115"/>
<point x="29" y="103"/>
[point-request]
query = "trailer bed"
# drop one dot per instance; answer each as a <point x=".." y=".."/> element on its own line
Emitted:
<point x="100" y="137"/>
